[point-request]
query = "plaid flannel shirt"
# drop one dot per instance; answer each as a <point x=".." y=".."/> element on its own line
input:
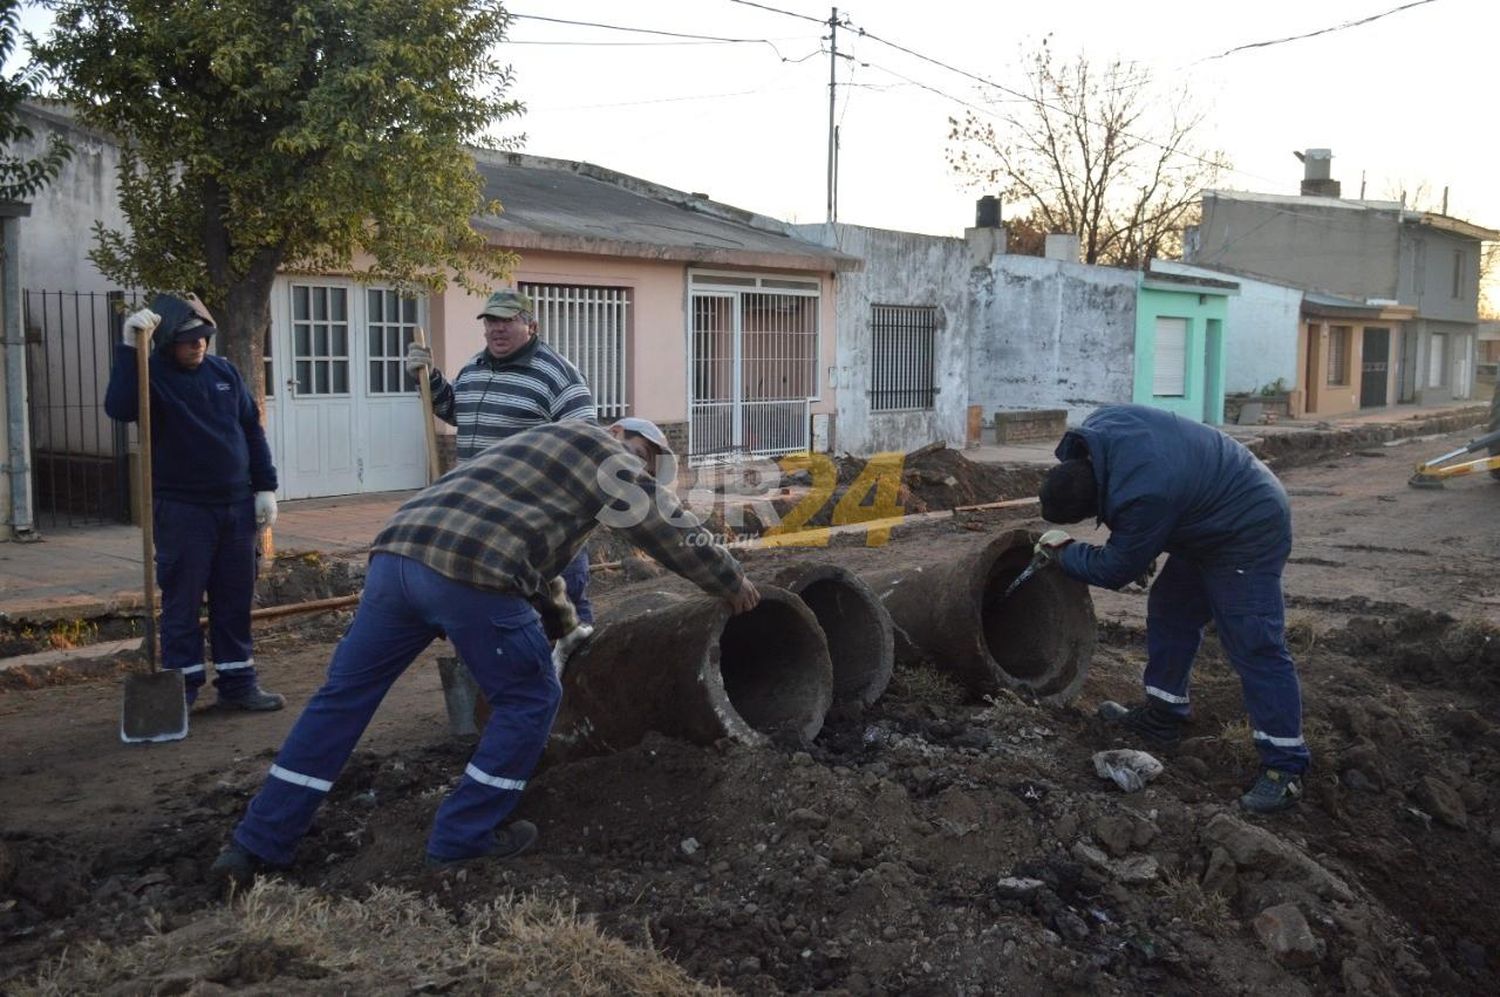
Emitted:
<point x="510" y="519"/>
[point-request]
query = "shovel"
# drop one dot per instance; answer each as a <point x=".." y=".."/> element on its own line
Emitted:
<point x="460" y="691"/>
<point x="155" y="706"/>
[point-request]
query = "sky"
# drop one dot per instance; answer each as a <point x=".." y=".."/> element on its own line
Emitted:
<point x="1400" y="101"/>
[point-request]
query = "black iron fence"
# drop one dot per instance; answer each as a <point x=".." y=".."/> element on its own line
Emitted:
<point x="80" y="458"/>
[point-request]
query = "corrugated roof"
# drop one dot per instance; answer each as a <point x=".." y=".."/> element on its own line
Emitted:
<point x="568" y="206"/>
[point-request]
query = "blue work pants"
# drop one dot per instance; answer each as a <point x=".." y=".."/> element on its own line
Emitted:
<point x="405" y="606"/>
<point x="206" y="549"/>
<point x="1245" y="603"/>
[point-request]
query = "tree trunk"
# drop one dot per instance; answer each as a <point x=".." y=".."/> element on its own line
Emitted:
<point x="244" y="321"/>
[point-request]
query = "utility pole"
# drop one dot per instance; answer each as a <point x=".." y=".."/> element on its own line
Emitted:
<point x="833" y="61"/>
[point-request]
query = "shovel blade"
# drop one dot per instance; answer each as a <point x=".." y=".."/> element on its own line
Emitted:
<point x="154" y="709"/>
<point x="460" y="694"/>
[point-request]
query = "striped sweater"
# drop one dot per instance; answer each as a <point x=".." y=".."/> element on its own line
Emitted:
<point x="491" y="400"/>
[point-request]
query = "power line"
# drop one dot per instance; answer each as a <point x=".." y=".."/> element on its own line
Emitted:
<point x="778" y="10"/>
<point x="652" y="31"/>
<point x="1321" y="31"/>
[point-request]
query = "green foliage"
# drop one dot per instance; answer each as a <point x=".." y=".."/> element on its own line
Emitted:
<point x="22" y="178"/>
<point x="1276" y="387"/>
<point x="319" y="135"/>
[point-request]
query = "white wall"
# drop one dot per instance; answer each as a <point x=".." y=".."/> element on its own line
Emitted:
<point x="1260" y="329"/>
<point x="56" y="239"/>
<point x="900" y="268"/>
<point x="1052" y="334"/>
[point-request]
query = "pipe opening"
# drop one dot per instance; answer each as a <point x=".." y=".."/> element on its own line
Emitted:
<point x="855" y="630"/>
<point x="769" y="662"/>
<point x="1028" y="633"/>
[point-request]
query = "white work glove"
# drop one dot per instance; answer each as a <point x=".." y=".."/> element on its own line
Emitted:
<point x="1050" y="545"/>
<point x="418" y="360"/>
<point x="265" y="509"/>
<point x="570" y="642"/>
<point x="144" y="320"/>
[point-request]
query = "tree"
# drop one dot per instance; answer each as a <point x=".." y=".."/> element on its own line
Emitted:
<point x="22" y="178"/>
<point x="320" y="135"/>
<point x="1103" y="154"/>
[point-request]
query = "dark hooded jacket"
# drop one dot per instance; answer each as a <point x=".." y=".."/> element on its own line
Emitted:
<point x="1169" y="484"/>
<point x="207" y="443"/>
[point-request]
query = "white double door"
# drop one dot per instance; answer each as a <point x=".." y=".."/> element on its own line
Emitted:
<point x="344" y="418"/>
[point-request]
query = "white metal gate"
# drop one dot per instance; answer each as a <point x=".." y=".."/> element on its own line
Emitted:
<point x="588" y="325"/>
<point x="752" y="365"/>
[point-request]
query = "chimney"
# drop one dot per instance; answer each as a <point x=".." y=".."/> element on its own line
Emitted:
<point x="986" y="239"/>
<point x="1316" y="169"/>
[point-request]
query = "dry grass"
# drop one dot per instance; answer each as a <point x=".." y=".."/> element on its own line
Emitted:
<point x="927" y="685"/>
<point x="1233" y="745"/>
<point x="293" y="940"/>
<point x="1184" y="897"/>
<point x="1303" y="632"/>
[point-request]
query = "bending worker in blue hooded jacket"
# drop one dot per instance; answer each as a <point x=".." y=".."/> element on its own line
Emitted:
<point x="1164" y="484"/>
<point x="214" y="488"/>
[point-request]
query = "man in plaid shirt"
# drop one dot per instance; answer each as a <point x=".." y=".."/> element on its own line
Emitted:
<point x="465" y="558"/>
<point x="517" y="382"/>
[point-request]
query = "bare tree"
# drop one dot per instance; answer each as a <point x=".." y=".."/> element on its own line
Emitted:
<point x="1103" y="153"/>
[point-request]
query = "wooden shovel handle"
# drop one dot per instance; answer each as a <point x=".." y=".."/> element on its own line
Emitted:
<point x="424" y="387"/>
<point x="148" y="545"/>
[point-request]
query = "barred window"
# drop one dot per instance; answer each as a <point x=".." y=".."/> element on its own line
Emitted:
<point x="903" y="357"/>
<point x="588" y="325"/>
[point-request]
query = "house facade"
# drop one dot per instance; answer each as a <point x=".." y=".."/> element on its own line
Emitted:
<point x="905" y="322"/>
<point x="1179" y="344"/>
<point x="1378" y="254"/>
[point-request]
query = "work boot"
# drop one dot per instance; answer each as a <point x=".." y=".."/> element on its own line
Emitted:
<point x="507" y="842"/>
<point x="1147" y="721"/>
<point x="236" y="868"/>
<point x="1273" y="792"/>
<point x="253" y="700"/>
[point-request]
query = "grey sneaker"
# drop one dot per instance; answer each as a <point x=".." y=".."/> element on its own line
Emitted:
<point x="1273" y="792"/>
<point x="254" y="700"/>
<point x="1146" y="720"/>
<point x="508" y="842"/>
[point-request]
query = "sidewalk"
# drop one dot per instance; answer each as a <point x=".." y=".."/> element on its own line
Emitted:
<point x="82" y="572"/>
<point x="88" y="571"/>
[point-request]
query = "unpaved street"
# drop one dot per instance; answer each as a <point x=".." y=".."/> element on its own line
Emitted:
<point x="868" y="864"/>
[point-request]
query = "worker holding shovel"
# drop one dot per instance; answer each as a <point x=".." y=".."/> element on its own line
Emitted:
<point x="1164" y="484"/>
<point x="467" y="557"/>
<point x="213" y="489"/>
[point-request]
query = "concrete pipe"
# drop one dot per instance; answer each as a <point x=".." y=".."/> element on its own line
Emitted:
<point x="861" y="641"/>
<point x="956" y="616"/>
<point x="689" y="669"/>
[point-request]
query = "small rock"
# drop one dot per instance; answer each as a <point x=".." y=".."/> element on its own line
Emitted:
<point x="1070" y="925"/>
<point x="1285" y="934"/>
<point x="845" y="850"/>
<point x="1193" y="766"/>
<point x="1018" y="887"/>
<point x="1066" y="827"/>
<point x="1262" y="850"/>
<point x="801" y="759"/>
<point x="1472" y="953"/>
<point x="1442" y="801"/>
<point x="690" y="846"/>
<point x="1115" y="833"/>
<point x="1356" y="780"/>
<point x="1135" y="869"/>
<point x="1220" y="877"/>
<point x="749" y="964"/>
<point x="802" y="817"/>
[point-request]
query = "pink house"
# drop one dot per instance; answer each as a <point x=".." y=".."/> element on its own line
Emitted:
<point x="712" y="321"/>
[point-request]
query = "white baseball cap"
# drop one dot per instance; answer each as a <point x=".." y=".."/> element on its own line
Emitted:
<point x="646" y="428"/>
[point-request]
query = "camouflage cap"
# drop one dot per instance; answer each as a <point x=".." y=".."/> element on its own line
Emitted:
<point x="506" y="304"/>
